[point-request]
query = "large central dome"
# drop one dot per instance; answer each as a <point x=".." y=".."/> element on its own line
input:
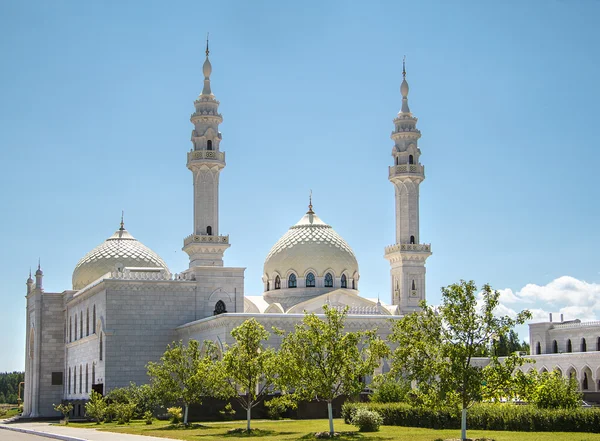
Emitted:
<point x="121" y="248"/>
<point x="309" y="260"/>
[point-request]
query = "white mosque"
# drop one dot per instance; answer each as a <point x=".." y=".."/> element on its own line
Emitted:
<point x="126" y="305"/>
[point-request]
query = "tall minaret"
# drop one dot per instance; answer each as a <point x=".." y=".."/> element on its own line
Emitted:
<point x="407" y="257"/>
<point x="205" y="246"/>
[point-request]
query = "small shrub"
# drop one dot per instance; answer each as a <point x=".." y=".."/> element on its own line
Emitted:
<point x="175" y="414"/>
<point x="388" y="389"/>
<point x="367" y="420"/>
<point x="95" y="408"/>
<point x="148" y="417"/>
<point x="228" y="412"/>
<point x="3" y="412"/>
<point x="122" y="412"/>
<point x="65" y="409"/>
<point x="275" y="408"/>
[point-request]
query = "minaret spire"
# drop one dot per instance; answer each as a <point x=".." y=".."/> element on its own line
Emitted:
<point x="122" y="222"/>
<point x="310" y="210"/>
<point x="205" y="246"/>
<point x="408" y="255"/>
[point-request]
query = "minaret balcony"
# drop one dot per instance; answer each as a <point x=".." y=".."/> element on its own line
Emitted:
<point x="419" y="247"/>
<point x="407" y="170"/>
<point x="205" y="239"/>
<point x="196" y="155"/>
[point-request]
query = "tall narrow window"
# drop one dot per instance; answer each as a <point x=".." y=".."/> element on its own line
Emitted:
<point x="69" y="381"/>
<point x="93" y="373"/>
<point x="74" y="379"/>
<point x="87" y="384"/>
<point x="310" y="280"/>
<point x="80" y="378"/>
<point x="538" y="348"/>
<point x="583" y="345"/>
<point x="277" y="282"/>
<point x="209" y="230"/>
<point x="268" y="285"/>
<point x="584" y="383"/>
<point x="220" y="308"/>
<point x="94" y="319"/>
<point x="412" y="239"/>
<point x="353" y="284"/>
<point x="344" y="281"/>
<point x="81" y="325"/>
<point x="397" y="161"/>
<point x="292" y="281"/>
<point x="328" y="280"/>
<point x="569" y="346"/>
<point x="100" y="346"/>
<point x="209" y="145"/>
<point x="87" y="322"/>
<point x="70" y="329"/>
<point x="598" y="344"/>
<point x="411" y="159"/>
<point x="75" y="326"/>
<point x="555" y="347"/>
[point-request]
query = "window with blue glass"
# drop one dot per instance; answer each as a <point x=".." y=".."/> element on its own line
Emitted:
<point x="310" y="280"/>
<point x="344" y="281"/>
<point x="292" y="281"/>
<point x="328" y="280"/>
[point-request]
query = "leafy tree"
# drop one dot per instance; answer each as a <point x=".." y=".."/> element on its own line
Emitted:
<point x="389" y="389"/>
<point x="65" y="409"/>
<point x="184" y="373"/>
<point x="96" y="407"/>
<point x="499" y="378"/>
<point x="319" y="360"/>
<point x="553" y="391"/>
<point x="508" y="344"/>
<point x="248" y="367"/>
<point x="9" y="386"/>
<point x="436" y="347"/>
<point x="142" y="396"/>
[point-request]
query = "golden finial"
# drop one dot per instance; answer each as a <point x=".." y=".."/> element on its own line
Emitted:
<point x="404" y="67"/>
<point x="207" y="51"/>
<point x="122" y="222"/>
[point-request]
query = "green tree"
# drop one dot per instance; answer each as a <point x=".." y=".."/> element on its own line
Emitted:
<point x="65" y="409"/>
<point x="319" y="360"/>
<point x="436" y="347"/>
<point x="553" y="391"/>
<point x="96" y="407"/>
<point x="508" y="344"/>
<point x="248" y="368"/>
<point x="184" y="373"/>
<point x="9" y="386"/>
<point x="142" y="396"/>
<point x="499" y="378"/>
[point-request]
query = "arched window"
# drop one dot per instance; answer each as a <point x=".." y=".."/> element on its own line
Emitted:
<point x="220" y="308"/>
<point x="412" y="239"/>
<point x="397" y="161"/>
<point x="81" y="325"/>
<point x="310" y="280"/>
<point x="411" y="159"/>
<point x="268" y="285"/>
<point x="70" y="329"/>
<point x="93" y="373"/>
<point x="583" y="345"/>
<point x="80" y="378"/>
<point x="87" y="384"/>
<point x="328" y="280"/>
<point x="413" y="286"/>
<point x="209" y="230"/>
<point x="555" y="347"/>
<point x="209" y="145"/>
<point x="569" y="346"/>
<point x="584" y="383"/>
<point x="538" y="348"/>
<point x="100" y="346"/>
<point x="74" y="379"/>
<point x="69" y="381"/>
<point x="292" y="281"/>
<point x="87" y="322"/>
<point x="277" y="282"/>
<point x="94" y="320"/>
<point x="75" y="326"/>
<point x="344" y="281"/>
<point x="353" y="284"/>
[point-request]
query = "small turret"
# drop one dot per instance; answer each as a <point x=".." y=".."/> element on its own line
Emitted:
<point x="29" y="283"/>
<point x="39" y="275"/>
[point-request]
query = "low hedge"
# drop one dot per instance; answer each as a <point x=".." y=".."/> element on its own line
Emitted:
<point x="484" y="417"/>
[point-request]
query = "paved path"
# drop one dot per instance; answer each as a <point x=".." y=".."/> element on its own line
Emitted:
<point x="66" y="433"/>
<point x="9" y="435"/>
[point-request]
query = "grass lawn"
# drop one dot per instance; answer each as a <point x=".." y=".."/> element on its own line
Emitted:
<point x="10" y="412"/>
<point x="304" y="429"/>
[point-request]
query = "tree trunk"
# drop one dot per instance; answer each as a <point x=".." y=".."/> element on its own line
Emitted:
<point x="330" y="412"/>
<point x="185" y="414"/>
<point x="248" y="415"/>
<point x="463" y="424"/>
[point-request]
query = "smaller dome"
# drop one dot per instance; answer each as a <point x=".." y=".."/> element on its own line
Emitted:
<point x="121" y="248"/>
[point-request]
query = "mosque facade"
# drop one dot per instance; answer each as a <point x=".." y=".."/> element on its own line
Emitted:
<point x="126" y="306"/>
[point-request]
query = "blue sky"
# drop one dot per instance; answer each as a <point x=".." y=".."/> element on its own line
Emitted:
<point x="95" y="99"/>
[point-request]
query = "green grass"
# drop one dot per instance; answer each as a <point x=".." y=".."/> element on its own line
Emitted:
<point x="10" y="412"/>
<point x="304" y="430"/>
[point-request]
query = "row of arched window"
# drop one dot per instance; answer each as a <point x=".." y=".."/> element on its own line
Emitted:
<point x="79" y="332"/>
<point x="310" y="281"/>
<point x="73" y="383"/>
<point x="569" y="346"/>
<point x="411" y="160"/>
